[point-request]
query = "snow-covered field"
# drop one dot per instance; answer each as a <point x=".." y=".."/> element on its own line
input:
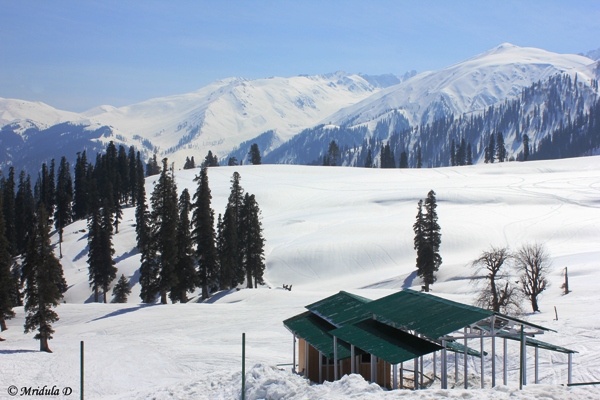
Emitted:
<point x="329" y="229"/>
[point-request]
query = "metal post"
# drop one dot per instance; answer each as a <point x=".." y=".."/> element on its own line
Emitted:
<point x="504" y="357"/>
<point x="444" y="366"/>
<point x="294" y="355"/>
<point x="570" y="369"/>
<point x="395" y="374"/>
<point x="493" y="351"/>
<point x="525" y="360"/>
<point x="335" y="359"/>
<point x="81" y="367"/>
<point x="352" y="359"/>
<point x="374" y="361"/>
<point x="416" y="372"/>
<point x="536" y="366"/>
<point x="401" y="375"/>
<point x="521" y="361"/>
<point x="306" y="359"/>
<point x="243" y="366"/>
<point x="434" y="365"/>
<point x="465" y="360"/>
<point x="482" y="361"/>
<point x="455" y="368"/>
<point x="421" y="369"/>
<point x="320" y="367"/>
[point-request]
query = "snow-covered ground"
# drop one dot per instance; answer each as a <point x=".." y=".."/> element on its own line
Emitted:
<point x="329" y="229"/>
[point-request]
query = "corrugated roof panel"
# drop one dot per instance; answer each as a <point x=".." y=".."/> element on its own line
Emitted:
<point x="341" y="309"/>
<point x="316" y="331"/>
<point x="385" y="342"/>
<point x="460" y="348"/>
<point x="426" y="314"/>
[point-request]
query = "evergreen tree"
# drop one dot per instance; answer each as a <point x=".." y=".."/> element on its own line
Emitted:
<point x="24" y="212"/>
<point x="469" y="159"/>
<point x="232" y="161"/>
<point x="500" y="148"/>
<point x="6" y="281"/>
<point x="210" y="160"/>
<point x="8" y="190"/>
<point x="235" y="204"/>
<point x="123" y="177"/>
<point x="152" y="167"/>
<point x="403" y="160"/>
<point x="121" y="290"/>
<point x="254" y="154"/>
<point x="427" y="240"/>
<point x="461" y="153"/>
<point x="525" y="147"/>
<point x="203" y="234"/>
<point x="419" y="158"/>
<point x="333" y="154"/>
<point x="453" y="154"/>
<point x="102" y="270"/>
<point x="252" y="242"/>
<point x="387" y="159"/>
<point x="163" y="225"/>
<point x="133" y="175"/>
<point x="63" y="214"/>
<point x="189" y="163"/>
<point x="185" y="268"/>
<point x="43" y="280"/>
<point x="81" y="196"/>
<point x="490" y="150"/>
<point x="369" y="160"/>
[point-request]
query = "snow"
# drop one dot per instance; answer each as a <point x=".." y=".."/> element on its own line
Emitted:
<point x="330" y="229"/>
<point x="471" y="85"/>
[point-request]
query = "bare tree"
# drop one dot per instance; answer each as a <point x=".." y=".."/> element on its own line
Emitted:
<point x="533" y="262"/>
<point x="499" y="293"/>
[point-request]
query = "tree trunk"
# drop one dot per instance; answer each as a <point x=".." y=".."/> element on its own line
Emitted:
<point x="204" y="291"/>
<point x="95" y="294"/>
<point x="249" y="279"/>
<point x="534" y="304"/>
<point x="163" y="297"/>
<point x="105" y="289"/>
<point x="44" y="345"/>
<point x="183" y="296"/>
<point x="3" y="326"/>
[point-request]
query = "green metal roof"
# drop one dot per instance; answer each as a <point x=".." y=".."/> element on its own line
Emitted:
<point x="424" y="313"/>
<point x="316" y="331"/>
<point x="520" y="321"/>
<point x="341" y="309"/>
<point x="385" y="342"/>
<point x="459" y="348"/>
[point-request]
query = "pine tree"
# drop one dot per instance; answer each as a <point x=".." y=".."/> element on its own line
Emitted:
<point x="210" y="160"/>
<point x="102" y="270"/>
<point x="121" y="290"/>
<point x="333" y="154"/>
<point x="254" y="154"/>
<point x="525" y="147"/>
<point x="6" y="281"/>
<point x="9" y="195"/>
<point x="123" y="177"/>
<point x="500" y="148"/>
<point x="43" y="280"/>
<point x="24" y="212"/>
<point x="419" y="158"/>
<point x="163" y="225"/>
<point x="232" y="221"/>
<point x="81" y="194"/>
<point x="490" y="150"/>
<point x="403" y="160"/>
<point x="369" y="160"/>
<point x="469" y="159"/>
<point x="203" y="234"/>
<point x="63" y="214"/>
<point x="133" y="175"/>
<point x="152" y="167"/>
<point x="185" y="268"/>
<point x="427" y="240"/>
<point x="252" y="242"/>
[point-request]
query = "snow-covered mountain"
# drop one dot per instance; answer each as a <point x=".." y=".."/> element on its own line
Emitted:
<point x="228" y="115"/>
<point x="471" y="85"/>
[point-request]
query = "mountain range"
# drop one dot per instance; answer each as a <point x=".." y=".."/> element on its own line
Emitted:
<point x="293" y="119"/>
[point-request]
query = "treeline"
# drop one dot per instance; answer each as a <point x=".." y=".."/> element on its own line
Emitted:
<point x="180" y="249"/>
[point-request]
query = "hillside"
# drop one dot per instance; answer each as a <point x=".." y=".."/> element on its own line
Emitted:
<point x="329" y="229"/>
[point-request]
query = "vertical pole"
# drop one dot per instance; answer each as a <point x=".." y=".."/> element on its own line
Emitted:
<point x="434" y="369"/>
<point x="81" y="367"/>
<point x="306" y="359"/>
<point x="294" y="355"/>
<point x="327" y="369"/>
<point x="465" y="360"/>
<point x="521" y="361"/>
<point x="570" y="369"/>
<point x="421" y="369"/>
<point x="505" y="370"/>
<point x="536" y="366"/>
<point x="493" y="351"/>
<point x="244" y="366"/>
<point x="525" y="360"/>
<point x="416" y="368"/>
<point x="402" y="375"/>
<point x="374" y="361"/>
<point x="444" y="366"/>
<point x="482" y="361"/>
<point x="352" y="359"/>
<point x="455" y="368"/>
<point x="395" y="377"/>
<point x="320" y="367"/>
<point x="335" y="359"/>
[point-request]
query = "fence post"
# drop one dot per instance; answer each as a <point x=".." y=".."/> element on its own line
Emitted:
<point x="81" y="368"/>
<point x="243" y="366"/>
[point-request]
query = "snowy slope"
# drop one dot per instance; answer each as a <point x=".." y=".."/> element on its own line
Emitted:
<point x="471" y="85"/>
<point x="329" y="229"/>
<point x="33" y="113"/>
<point x="226" y="113"/>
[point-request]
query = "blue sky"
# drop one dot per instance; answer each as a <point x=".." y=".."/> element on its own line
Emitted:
<point x="75" y="55"/>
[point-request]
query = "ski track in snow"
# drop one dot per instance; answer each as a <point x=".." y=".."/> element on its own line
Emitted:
<point x="330" y="229"/>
